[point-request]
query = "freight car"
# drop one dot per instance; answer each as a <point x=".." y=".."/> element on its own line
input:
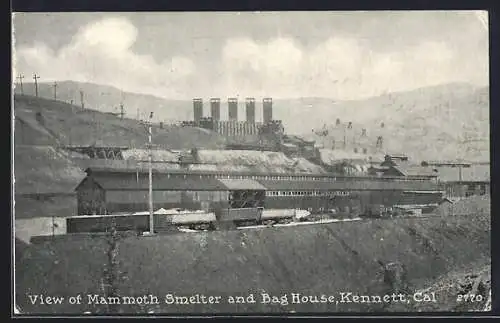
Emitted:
<point x="194" y="220"/>
<point x="104" y="223"/>
<point x="256" y="216"/>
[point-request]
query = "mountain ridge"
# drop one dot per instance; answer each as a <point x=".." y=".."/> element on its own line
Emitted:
<point x="451" y="120"/>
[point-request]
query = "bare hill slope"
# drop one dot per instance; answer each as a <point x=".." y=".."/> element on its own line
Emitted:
<point x="311" y="260"/>
<point x="71" y="125"/>
<point x="448" y="121"/>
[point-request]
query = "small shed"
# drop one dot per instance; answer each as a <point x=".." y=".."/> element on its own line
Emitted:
<point x="445" y="207"/>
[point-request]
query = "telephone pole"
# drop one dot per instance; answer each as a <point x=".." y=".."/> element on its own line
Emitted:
<point x="150" y="167"/>
<point x="36" y="77"/>
<point x="81" y="99"/>
<point x="121" y="111"/>
<point x="55" y="90"/>
<point x="345" y="143"/>
<point x="20" y="78"/>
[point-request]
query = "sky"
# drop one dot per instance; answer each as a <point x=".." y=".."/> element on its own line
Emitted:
<point x="181" y="55"/>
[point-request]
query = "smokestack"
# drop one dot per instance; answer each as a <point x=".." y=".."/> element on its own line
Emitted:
<point x="197" y="110"/>
<point x="232" y="104"/>
<point x="250" y="104"/>
<point x="267" y="106"/>
<point x="215" y="108"/>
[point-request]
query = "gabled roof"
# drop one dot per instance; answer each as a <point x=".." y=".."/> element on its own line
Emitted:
<point x="415" y="170"/>
<point x="129" y="181"/>
<point x="368" y="184"/>
<point x="242" y="184"/>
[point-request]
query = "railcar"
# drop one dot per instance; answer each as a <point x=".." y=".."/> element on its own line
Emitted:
<point x="194" y="220"/>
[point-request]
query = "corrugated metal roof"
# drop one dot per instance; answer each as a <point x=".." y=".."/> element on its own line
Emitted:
<point x="242" y="184"/>
<point x="253" y="172"/>
<point x="129" y="181"/>
<point x="415" y="170"/>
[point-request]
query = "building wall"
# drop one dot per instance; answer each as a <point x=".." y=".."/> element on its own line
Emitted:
<point x="444" y="209"/>
<point x="235" y="128"/>
<point x="464" y="189"/>
<point x="134" y="201"/>
<point x="90" y="199"/>
<point x="320" y="201"/>
<point x="408" y="198"/>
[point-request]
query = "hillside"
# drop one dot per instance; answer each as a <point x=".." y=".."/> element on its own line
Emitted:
<point x="311" y="260"/>
<point x="43" y="170"/>
<point x="67" y="124"/>
<point x="444" y="123"/>
<point x="107" y="99"/>
<point x="46" y="175"/>
<point x="450" y="121"/>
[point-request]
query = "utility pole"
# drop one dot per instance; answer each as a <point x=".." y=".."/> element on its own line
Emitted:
<point x="55" y="90"/>
<point x="36" y="77"/>
<point x="81" y="99"/>
<point x="20" y="78"/>
<point x="121" y="111"/>
<point x="150" y="166"/>
<point x="345" y="144"/>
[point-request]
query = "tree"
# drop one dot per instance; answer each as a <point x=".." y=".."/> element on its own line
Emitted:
<point x="112" y="276"/>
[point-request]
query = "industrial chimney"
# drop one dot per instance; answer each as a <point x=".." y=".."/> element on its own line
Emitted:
<point x="197" y="110"/>
<point x="250" y="106"/>
<point x="267" y="107"/>
<point x="232" y="104"/>
<point x="215" y="108"/>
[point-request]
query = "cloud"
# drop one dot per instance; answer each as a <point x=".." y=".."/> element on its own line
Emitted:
<point x="344" y="66"/>
<point x="340" y="67"/>
<point x="101" y="52"/>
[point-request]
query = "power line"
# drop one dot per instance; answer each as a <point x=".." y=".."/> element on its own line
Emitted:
<point x="36" y="77"/>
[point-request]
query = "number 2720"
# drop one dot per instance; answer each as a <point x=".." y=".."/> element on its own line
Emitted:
<point x="469" y="298"/>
